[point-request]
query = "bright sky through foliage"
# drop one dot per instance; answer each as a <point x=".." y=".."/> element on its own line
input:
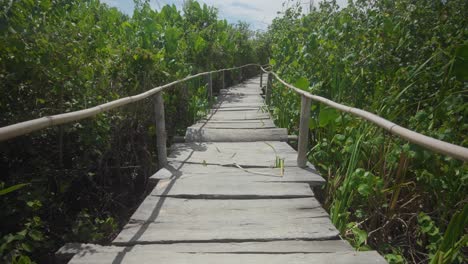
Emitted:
<point x="258" y="13"/>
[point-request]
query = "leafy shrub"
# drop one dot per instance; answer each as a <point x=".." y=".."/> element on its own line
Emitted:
<point x="405" y="61"/>
<point x="65" y="55"/>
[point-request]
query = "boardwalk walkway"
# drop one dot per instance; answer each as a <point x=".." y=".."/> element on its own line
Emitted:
<point x="226" y="198"/>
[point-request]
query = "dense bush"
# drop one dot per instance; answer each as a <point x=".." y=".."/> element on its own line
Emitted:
<point x="407" y="61"/>
<point x="78" y="182"/>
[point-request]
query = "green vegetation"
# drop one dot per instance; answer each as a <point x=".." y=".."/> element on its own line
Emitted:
<point x="406" y="61"/>
<point x="79" y="182"/>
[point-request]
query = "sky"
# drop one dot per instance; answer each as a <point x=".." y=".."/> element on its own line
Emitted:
<point x="258" y="13"/>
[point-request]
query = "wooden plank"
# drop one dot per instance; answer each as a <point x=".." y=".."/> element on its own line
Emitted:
<point x="241" y="92"/>
<point x="170" y="220"/>
<point x="238" y="111"/>
<point x="264" y="148"/>
<point x="233" y="121"/>
<point x="365" y="257"/>
<point x="237" y="105"/>
<point x="277" y="247"/>
<point x="263" y="210"/>
<point x="257" y="108"/>
<point x="251" y="124"/>
<point x="240" y="115"/>
<point x="245" y="160"/>
<point x="245" y="154"/>
<point x="230" y="188"/>
<point x="188" y="168"/>
<point x="232" y="98"/>
<point x="194" y="134"/>
<point x="203" y="173"/>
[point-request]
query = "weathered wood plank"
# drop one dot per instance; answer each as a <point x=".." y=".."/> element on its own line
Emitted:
<point x="238" y="105"/>
<point x="365" y="257"/>
<point x="245" y="99"/>
<point x="167" y="220"/>
<point x="204" y="173"/>
<point x="241" y="92"/>
<point x="231" y="189"/>
<point x="240" y="115"/>
<point x="258" y="108"/>
<point x="194" y="134"/>
<point x="256" y="124"/>
<point x="233" y="121"/>
<point x="278" y="247"/>
<point x="238" y="111"/>
<point x="245" y="154"/>
<point x="199" y="210"/>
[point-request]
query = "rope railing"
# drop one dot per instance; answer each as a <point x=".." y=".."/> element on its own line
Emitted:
<point x="452" y="150"/>
<point x="26" y="127"/>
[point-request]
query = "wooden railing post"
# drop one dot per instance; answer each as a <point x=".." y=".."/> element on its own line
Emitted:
<point x="161" y="133"/>
<point x="303" y="141"/>
<point x="224" y="78"/>
<point x="261" y="79"/>
<point x="269" y="87"/>
<point x="210" y="85"/>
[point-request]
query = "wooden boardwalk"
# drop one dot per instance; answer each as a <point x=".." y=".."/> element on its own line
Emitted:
<point x="224" y="198"/>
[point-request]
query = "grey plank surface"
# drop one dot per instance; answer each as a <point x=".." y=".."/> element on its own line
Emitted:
<point x="230" y="189"/>
<point x="238" y="111"/>
<point x="278" y="247"/>
<point x="169" y="220"/>
<point x="195" y="134"/>
<point x="231" y="105"/>
<point x="245" y="154"/>
<point x="227" y="211"/>
<point x="198" y="172"/>
<point x="251" y="124"/>
<point x="258" y="109"/>
<point x="241" y="115"/>
<point x="366" y="257"/>
<point x="234" y="100"/>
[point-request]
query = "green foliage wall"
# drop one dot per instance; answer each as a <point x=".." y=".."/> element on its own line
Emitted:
<point x="405" y="61"/>
<point x="57" y="56"/>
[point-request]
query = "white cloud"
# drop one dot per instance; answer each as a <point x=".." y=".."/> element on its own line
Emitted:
<point x="258" y="13"/>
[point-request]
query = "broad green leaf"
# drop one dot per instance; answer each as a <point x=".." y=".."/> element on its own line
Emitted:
<point x="327" y="115"/>
<point x="272" y="62"/>
<point x="302" y="83"/>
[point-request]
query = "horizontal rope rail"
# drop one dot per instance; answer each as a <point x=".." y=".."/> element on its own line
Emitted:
<point x="436" y="145"/>
<point x="26" y="127"/>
